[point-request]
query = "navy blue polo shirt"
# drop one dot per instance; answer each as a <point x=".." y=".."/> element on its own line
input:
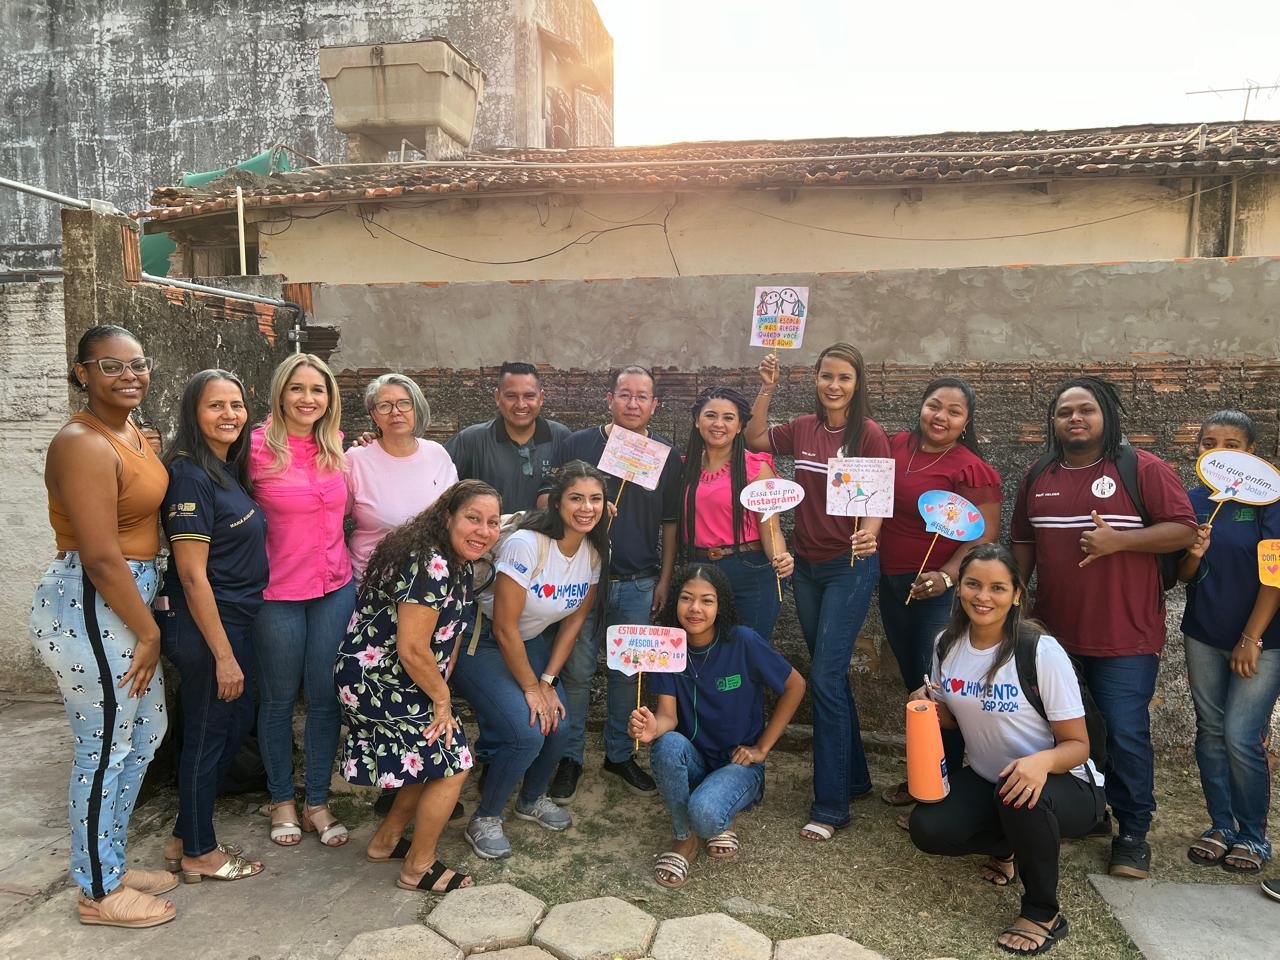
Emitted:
<point x="234" y="527"/>
<point x="635" y="534"/>
<point x="1221" y="596"/>
<point x="720" y="694"/>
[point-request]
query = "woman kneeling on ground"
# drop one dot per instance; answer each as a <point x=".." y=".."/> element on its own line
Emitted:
<point x="1029" y="782"/>
<point x="415" y="608"/>
<point x="709" y="736"/>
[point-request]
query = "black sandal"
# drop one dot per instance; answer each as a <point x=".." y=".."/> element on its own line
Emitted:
<point x="1049" y="935"/>
<point x="398" y="852"/>
<point x="1208" y="850"/>
<point x="428" y="881"/>
<point x="993" y="866"/>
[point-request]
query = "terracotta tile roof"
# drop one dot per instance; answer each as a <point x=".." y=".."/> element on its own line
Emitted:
<point x="1161" y="150"/>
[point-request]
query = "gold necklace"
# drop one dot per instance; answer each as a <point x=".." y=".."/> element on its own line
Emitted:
<point x="931" y="463"/>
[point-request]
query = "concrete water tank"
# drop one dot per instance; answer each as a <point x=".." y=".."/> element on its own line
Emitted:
<point x="423" y="91"/>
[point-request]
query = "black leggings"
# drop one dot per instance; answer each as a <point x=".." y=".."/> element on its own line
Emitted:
<point x="975" y="819"/>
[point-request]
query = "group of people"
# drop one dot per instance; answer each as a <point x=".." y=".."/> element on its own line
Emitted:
<point x="380" y="579"/>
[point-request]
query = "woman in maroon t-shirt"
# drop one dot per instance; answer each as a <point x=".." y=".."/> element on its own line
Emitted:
<point x="939" y="453"/>
<point x="832" y="592"/>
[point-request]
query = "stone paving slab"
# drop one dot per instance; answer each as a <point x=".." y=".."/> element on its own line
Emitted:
<point x="709" y="935"/>
<point x="487" y="917"/>
<point x="1194" y="921"/>
<point x="824" y="946"/>
<point x="519" y="953"/>
<point x="410" y="942"/>
<point x="605" y="928"/>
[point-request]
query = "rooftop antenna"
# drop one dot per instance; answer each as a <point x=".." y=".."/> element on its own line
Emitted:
<point x="1249" y="90"/>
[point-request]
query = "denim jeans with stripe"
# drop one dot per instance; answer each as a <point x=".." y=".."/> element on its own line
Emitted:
<point x="89" y="649"/>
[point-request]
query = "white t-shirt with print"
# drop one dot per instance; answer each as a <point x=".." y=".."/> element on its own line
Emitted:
<point x="557" y="589"/>
<point x="998" y="722"/>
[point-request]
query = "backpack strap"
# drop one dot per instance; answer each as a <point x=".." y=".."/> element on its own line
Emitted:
<point x="1037" y="468"/>
<point x="1127" y="467"/>
<point x="1024" y="658"/>
<point x="544" y="550"/>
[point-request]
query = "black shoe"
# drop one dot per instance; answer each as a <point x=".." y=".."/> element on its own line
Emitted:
<point x="382" y="806"/>
<point x="1272" y="888"/>
<point x="458" y="812"/>
<point x="564" y="785"/>
<point x="1130" y="857"/>
<point x="1103" y="827"/>
<point x="637" y="781"/>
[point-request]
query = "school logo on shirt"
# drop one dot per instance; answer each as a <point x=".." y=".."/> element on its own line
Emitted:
<point x="996" y="697"/>
<point x="1103" y="487"/>
<point x="732" y="682"/>
<point x="182" y="510"/>
<point x="1245" y="514"/>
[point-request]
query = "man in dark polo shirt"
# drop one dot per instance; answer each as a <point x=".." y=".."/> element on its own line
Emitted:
<point x="642" y="543"/>
<point x="1098" y="587"/>
<point x="513" y="451"/>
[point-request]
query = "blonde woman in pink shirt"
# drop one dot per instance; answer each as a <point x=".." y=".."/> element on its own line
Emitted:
<point x="397" y="476"/>
<point x="298" y="471"/>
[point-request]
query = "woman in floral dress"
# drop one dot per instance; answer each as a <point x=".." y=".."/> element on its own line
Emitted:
<point x="392" y="674"/>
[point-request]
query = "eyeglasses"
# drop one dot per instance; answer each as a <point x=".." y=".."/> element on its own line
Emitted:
<point x="526" y="465"/>
<point x="111" y="367"/>
<point x="386" y="406"/>
<point x="626" y="399"/>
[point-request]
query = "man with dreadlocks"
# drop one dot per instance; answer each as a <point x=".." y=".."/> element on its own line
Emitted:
<point x="1092" y="516"/>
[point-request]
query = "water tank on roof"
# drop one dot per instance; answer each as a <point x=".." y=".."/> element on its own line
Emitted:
<point x="423" y="91"/>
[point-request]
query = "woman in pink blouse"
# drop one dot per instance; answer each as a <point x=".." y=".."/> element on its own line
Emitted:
<point x="714" y="526"/>
<point x="399" y="474"/>
<point x="298" y="471"/>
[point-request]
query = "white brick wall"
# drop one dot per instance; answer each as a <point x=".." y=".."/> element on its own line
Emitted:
<point x="33" y="404"/>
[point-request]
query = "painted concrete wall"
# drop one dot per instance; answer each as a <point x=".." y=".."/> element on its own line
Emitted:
<point x="111" y="99"/>
<point x="1204" y="308"/>
<point x="33" y="404"/>
<point x="742" y="233"/>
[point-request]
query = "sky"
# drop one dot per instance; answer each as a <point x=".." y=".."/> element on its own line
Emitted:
<point x="785" y="69"/>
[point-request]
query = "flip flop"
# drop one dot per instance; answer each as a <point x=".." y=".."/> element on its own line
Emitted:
<point x="398" y="852"/>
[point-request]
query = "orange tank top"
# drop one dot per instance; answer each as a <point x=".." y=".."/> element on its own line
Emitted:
<point x="143" y="481"/>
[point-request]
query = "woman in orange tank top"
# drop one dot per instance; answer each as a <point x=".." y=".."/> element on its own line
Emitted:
<point x="92" y="625"/>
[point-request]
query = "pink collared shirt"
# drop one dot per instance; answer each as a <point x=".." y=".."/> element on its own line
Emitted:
<point x="304" y="507"/>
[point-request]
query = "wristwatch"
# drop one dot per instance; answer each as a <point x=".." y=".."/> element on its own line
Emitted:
<point x="551" y="680"/>
<point x="946" y="578"/>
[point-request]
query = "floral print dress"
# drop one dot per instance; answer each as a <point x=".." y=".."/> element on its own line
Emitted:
<point x="386" y="712"/>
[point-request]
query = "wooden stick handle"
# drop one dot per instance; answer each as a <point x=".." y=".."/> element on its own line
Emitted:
<point x="853" y="557"/>
<point x="922" y="563"/>
<point x="1215" y="511"/>
<point x="639" y="686"/>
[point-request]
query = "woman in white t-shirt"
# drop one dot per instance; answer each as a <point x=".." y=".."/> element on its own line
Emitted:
<point x="1029" y="781"/>
<point x="546" y="576"/>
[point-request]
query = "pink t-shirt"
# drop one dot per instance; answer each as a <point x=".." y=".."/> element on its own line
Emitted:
<point x="385" y="491"/>
<point x="713" y="519"/>
<point x="304" y="508"/>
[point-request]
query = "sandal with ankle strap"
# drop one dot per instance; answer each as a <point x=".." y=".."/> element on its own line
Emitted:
<point x="1048" y="936"/>
<point x="125" y="907"/>
<point x="995" y="875"/>
<point x="330" y="829"/>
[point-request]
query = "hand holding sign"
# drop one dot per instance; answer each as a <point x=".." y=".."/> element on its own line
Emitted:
<point x="1240" y="476"/>
<point x="633" y="648"/>
<point x="778" y="317"/>
<point x="948" y="515"/>
<point x="770" y="497"/>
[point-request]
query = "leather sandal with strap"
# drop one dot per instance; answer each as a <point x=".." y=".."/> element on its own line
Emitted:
<point x="332" y="831"/>
<point x="671" y="869"/>
<point x="154" y="882"/>
<point x="233" y="868"/>
<point x="427" y="882"/>
<point x="723" y="846"/>
<point x="285" y="830"/>
<point x="125" y="907"/>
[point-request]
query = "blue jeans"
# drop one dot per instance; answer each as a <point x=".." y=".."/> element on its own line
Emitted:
<point x="88" y="647"/>
<point x="832" y="600"/>
<point x="1122" y="687"/>
<point x="755" y="589"/>
<point x="628" y="602"/>
<point x="1232" y="718"/>
<point x="912" y="628"/>
<point x="213" y="730"/>
<point x="296" y="644"/>
<point x="516" y="749"/>
<point x="701" y="800"/>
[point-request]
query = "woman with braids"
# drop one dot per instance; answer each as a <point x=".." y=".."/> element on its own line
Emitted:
<point x="1232" y="639"/>
<point x="832" y="591"/>
<point x="939" y="453"/>
<point x="714" y="526"/>
<point x="1091" y="518"/>
<point x="1029" y="783"/>
<point x="546" y="576"/>
<point x="91" y="622"/>
<point x="709" y="736"/>
<point x="392" y="674"/>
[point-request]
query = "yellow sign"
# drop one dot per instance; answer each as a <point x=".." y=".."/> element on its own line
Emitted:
<point x="1269" y="562"/>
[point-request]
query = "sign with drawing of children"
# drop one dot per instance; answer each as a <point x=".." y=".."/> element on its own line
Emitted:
<point x="778" y="317"/>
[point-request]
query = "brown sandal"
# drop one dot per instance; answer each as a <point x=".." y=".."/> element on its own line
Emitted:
<point x="154" y="882"/>
<point x="125" y="907"/>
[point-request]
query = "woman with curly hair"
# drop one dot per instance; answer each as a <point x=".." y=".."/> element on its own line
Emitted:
<point x="713" y="525"/>
<point x="709" y="735"/>
<point x="392" y="677"/>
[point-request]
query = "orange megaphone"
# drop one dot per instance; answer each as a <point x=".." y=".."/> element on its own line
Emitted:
<point x="926" y="761"/>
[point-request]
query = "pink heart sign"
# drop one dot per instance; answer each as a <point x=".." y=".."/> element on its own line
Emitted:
<point x="950" y="515"/>
<point x="1269" y="563"/>
<point x="645" y="648"/>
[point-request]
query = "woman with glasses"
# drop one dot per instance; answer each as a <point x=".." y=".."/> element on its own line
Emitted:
<point x="399" y="474"/>
<point x="91" y="622"/>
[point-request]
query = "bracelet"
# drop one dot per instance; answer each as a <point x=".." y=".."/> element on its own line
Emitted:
<point x="1256" y="641"/>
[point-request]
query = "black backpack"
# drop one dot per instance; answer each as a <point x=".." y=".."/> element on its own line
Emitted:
<point x="1127" y="467"/>
<point x="1024" y="657"/>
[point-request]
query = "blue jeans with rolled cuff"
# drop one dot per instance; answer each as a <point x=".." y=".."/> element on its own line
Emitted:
<point x="702" y="801"/>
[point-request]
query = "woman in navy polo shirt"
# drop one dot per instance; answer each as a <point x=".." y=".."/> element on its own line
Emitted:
<point x="709" y="736"/>
<point x="214" y="587"/>
<point x="1232" y="641"/>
